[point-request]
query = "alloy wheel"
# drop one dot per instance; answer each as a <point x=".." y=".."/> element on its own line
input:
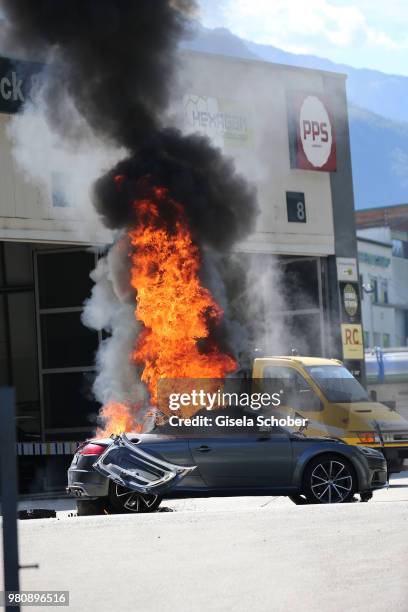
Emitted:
<point x="331" y="482"/>
<point x="134" y="502"/>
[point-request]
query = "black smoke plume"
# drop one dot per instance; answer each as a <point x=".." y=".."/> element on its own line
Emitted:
<point x="116" y="59"/>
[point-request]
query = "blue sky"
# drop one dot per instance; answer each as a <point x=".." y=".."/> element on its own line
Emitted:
<point x="361" y="33"/>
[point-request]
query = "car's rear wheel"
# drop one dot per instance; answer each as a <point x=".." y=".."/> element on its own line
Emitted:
<point x="329" y="479"/>
<point x="125" y="501"/>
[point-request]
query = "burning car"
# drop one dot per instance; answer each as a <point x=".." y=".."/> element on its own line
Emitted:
<point x="134" y="472"/>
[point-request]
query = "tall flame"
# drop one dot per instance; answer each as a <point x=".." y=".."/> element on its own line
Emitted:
<point x="176" y="310"/>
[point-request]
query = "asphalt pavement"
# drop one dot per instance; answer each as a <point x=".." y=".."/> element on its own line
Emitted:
<point x="226" y="554"/>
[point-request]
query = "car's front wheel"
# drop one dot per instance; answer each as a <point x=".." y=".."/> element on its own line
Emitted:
<point x="329" y="479"/>
<point x="125" y="501"/>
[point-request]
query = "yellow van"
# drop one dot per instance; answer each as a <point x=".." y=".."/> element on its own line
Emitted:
<point x="334" y="403"/>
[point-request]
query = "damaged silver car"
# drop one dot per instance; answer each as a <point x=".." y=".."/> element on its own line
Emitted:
<point x="134" y="472"/>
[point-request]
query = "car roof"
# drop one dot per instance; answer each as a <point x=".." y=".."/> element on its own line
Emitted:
<point x="306" y="361"/>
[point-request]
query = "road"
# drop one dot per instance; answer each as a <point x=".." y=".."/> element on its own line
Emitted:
<point x="240" y="554"/>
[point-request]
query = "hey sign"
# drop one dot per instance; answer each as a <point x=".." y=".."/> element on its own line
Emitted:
<point x="312" y="136"/>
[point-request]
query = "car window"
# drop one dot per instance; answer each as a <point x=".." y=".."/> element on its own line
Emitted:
<point x="294" y="389"/>
<point x="338" y="384"/>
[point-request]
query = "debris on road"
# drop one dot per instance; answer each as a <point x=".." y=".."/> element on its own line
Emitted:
<point x="37" y="513"/>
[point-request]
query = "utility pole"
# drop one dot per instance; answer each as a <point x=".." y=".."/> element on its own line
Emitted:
<point x="369" y="289"/>
<point x="8" y="481"/>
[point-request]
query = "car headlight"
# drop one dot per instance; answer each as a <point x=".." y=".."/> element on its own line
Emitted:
<point x="370" y="451"/>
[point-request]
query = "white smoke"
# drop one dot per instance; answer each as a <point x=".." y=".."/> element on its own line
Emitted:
<point x="110" y="309"/>
<point x="62" y="168"/>
<point x="266" y="304"/>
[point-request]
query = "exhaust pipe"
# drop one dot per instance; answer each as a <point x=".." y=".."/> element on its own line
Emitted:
<point x="76" y="491"/>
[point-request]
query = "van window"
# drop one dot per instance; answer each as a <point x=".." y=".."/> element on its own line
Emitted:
<point x="295" y="390"/>
<point x="338" y="384"/>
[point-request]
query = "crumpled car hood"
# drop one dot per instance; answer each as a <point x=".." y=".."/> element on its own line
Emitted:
<point x="130" y="466"/>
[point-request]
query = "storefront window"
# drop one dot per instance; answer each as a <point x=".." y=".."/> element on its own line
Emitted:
<point x="301" y="285"/>
<point x="68" y="404"/>
<point x="400" y="248"/>
<point x="302" y="333"/>
<point x="67" y="347"/>
<point x="374" y="289"/>
<point x="383" y="291"/>
<point x="18" y="336"/>
<point x="65" y="329"/>
<point x="63" y="278"/>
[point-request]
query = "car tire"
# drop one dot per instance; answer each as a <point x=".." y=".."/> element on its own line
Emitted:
<point x="125" y="501"/>
<point x="90" y="507"/>
<point x="329" y="479"/>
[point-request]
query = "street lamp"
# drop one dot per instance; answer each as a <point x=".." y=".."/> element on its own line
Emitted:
<point x="369" y="288"/>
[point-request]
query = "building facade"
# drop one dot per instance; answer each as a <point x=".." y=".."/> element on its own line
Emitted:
<point x="383" y="256"/>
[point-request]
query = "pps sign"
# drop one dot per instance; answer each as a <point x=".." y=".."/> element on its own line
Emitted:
<point x="311" y="133"/>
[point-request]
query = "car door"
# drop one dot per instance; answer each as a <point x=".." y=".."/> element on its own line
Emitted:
<point x="139" y="467"/>
<point x="241" y="461"/>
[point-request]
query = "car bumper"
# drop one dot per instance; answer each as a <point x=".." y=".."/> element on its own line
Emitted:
<point x="377" y="477"/>
<point x="84" y="481"/>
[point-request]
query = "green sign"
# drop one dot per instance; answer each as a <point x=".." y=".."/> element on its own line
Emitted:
<point x="374" y="260"/>
<point x="223" y="120"/>
<point x="18" y="79"/>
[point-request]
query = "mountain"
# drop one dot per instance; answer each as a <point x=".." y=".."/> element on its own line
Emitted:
<point x="379" y="153"/>
<point x="383" y="94"/>
<point x="218" y="41"/>
<point x="378" y="114"/>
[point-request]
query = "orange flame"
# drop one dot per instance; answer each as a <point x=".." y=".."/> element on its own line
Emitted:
<point x="176" y="310"/>
<point x="174" y="307"/>
<point x="117" y="420"/>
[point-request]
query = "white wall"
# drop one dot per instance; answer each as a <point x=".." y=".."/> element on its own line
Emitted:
<point x="257" y="92"/>
<point x="27" y="211"/>
<point x="382" y="234"/>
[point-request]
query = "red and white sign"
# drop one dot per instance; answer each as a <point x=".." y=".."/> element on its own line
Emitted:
<point x="312" y="132"/>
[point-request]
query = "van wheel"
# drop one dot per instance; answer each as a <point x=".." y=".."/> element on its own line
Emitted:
<point x="329" y="479"/>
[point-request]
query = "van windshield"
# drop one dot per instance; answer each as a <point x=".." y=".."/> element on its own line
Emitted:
<point x="338" y="384"/>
